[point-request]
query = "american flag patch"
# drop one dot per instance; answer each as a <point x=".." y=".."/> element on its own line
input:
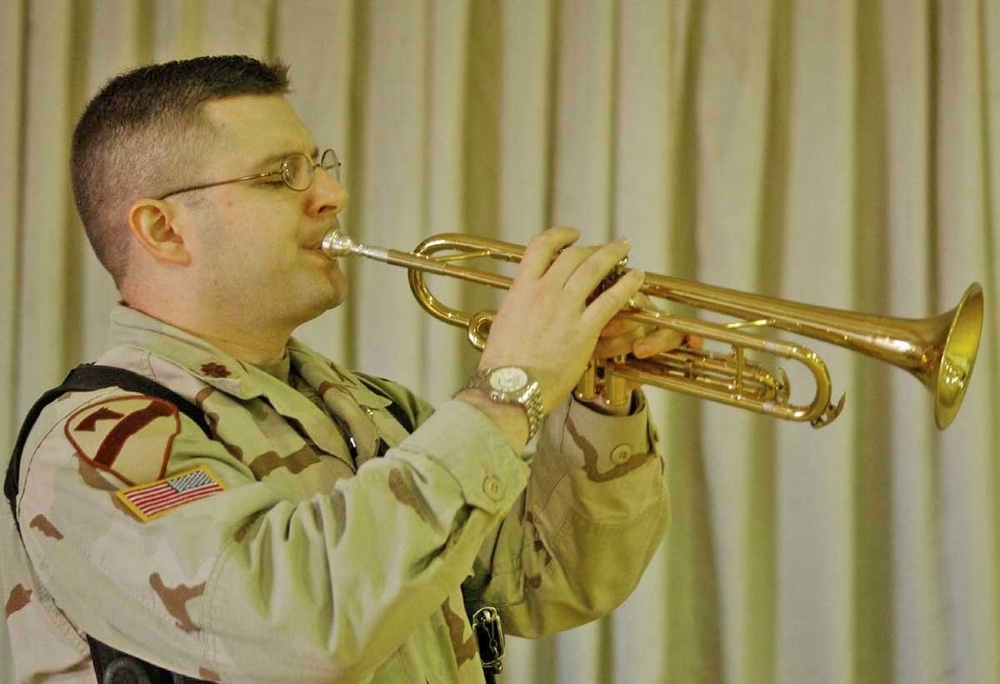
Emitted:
<point x="152" y="500"/>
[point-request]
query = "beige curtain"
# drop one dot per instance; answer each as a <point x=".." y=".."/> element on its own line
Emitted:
<point x="837" y="152"/>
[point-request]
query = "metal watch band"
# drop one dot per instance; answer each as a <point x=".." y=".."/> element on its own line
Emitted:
<point x="533" y="407"/>
<point x="529" y="397"/>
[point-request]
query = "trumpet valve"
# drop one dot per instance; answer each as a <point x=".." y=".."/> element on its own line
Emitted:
<point x="586" y="388"/>
<point x="599" y="382"/>
<point x="616" y="391"/>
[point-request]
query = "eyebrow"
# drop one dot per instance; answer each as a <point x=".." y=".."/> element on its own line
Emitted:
<point x="281" y="156"/>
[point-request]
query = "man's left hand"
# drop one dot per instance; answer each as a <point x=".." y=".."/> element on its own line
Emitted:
<point x="622" y="337"/>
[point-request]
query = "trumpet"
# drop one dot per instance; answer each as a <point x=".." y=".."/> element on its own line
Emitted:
<point x="939" y="351"/>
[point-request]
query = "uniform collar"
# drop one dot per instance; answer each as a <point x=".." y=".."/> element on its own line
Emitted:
<point x="317" y="370"/>
<point x="131" y="327"/>
<point x="225" y="373"/>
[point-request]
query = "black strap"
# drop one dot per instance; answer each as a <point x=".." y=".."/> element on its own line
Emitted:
<point x="110" y="665"/>
<point x="376" y="385"/>
<point x="115" y="667"/>
<point x="85" y="378"/>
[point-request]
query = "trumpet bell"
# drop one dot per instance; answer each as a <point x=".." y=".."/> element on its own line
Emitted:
<point x="950" y="379"/>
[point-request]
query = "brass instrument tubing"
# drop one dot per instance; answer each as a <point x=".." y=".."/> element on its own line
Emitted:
<point x="939" y="351"/>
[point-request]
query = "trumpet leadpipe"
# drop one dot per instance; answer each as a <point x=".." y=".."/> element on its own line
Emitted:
<point x="336" y="244"/>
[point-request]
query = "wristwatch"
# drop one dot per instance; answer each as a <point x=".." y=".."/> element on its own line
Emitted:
<point x="511" y="385"/>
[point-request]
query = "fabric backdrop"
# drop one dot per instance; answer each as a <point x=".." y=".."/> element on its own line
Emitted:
<point x="835" y="152"/>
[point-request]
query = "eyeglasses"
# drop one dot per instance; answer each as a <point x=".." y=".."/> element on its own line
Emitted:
<point x="296" y="171"/>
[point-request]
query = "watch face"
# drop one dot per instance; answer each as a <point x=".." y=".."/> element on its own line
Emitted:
<point x="508" y="379"/>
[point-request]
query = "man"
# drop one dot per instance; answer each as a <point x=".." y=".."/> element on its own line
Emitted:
<point x="328" y="526"/>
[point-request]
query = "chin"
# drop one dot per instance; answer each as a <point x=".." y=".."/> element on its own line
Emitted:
<point x="324" y="301"/>
<point x="301" y="314"/>
<point x="338" y="287"/>
<point x="314" y="296"/>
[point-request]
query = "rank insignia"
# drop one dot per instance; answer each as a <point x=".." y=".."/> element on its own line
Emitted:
<point x="152" y="500"/>
<point x="129" y="437"/>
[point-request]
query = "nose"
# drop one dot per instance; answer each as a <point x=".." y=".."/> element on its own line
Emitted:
<point x="326" y="195"/>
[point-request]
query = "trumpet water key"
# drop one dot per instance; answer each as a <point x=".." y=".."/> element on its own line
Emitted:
<point x="939" y="351"/>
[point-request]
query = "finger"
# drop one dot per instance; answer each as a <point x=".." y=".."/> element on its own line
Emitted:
<point x="591" y="272"/>
<point x="640" y="340"/>
<point x="618" y="336"/>
<point x="542" y="250"/>
<point x="661" y="340"/>
<point x="615" y="346"/>
<point x="642" y="301"/>
<point x="620" y="327"/>
<point x="600" y="311"/>
<point x="567" y="262"/>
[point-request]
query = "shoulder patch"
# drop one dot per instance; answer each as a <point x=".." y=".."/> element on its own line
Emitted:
<point x="129" y="437"/>
<point x="152" y="500"/>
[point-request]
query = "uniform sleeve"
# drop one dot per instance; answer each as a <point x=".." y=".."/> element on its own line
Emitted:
<point x="247" y="585"/>
<point x="37" y="644"/>
<point x="592" y="516"/>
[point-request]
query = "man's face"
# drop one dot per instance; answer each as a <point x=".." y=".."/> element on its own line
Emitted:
<point x="255" y="244"/>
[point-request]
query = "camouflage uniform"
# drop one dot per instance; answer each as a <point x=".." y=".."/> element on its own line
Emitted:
<point x="303" y="559"/>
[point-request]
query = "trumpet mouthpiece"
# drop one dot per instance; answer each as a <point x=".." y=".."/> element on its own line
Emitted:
<point x="336" y="244"/>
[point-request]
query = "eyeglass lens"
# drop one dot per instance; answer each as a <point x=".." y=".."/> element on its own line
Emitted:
<point x="297" y="170"/>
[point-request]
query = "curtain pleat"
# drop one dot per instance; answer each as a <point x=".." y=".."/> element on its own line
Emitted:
<point x="12" y="63"/>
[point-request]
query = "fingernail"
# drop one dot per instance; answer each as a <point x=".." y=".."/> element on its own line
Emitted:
<point x="622" y="240"/>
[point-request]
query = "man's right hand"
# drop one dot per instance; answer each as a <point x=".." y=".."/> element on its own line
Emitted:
<point x="545" y="323"/>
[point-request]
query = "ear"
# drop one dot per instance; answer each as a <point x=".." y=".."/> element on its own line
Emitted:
<point x="156" y="226"/>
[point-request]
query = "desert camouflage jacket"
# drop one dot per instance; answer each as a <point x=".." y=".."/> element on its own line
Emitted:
<point x="273" y="550"/>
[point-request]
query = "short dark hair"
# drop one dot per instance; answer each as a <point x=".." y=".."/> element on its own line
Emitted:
<point x="137" y="132"/>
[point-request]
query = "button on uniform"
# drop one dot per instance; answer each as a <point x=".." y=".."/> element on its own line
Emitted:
<point x="621" y="454"/>
<point x="493" y="487"/>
